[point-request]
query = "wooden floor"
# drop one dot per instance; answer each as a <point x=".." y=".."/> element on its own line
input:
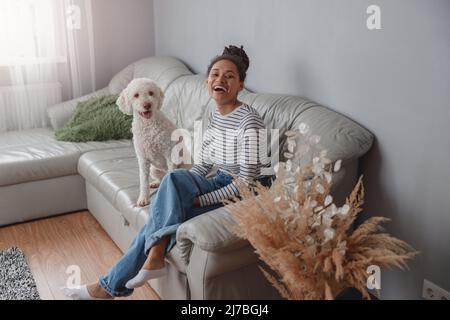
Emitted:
<point x="52" y="245"/>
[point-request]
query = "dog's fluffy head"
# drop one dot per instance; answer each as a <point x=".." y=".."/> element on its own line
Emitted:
<point x="142" y="96"/>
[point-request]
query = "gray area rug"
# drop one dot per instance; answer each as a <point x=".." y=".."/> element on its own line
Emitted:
<point x="16" y="280"/>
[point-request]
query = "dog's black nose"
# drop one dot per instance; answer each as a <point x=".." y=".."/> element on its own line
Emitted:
<point x="147" y="106"/>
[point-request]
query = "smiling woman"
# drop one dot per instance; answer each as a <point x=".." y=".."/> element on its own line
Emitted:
<point x="224" y="84"/>
<point x="226" y="76"/>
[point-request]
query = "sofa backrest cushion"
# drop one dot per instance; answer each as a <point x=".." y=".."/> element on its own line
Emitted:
<point x="187" y="101"/>
<point x="163" y="70"/>
<point x="343" y="138"/>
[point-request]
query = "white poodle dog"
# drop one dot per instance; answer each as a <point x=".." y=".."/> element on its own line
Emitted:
<point x="152" y="132"/>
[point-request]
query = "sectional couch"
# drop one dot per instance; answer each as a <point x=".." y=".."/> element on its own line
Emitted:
<point x="40" y="176"/>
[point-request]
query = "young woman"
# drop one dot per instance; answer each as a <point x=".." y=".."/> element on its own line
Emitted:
<point x="231" y="142"/>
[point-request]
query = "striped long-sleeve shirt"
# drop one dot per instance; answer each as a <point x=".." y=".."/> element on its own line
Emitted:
<point x="236" y="144"/>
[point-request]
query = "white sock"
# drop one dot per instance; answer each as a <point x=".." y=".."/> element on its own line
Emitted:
<point x="143" y="276"/>
<point x="80" y="293"/>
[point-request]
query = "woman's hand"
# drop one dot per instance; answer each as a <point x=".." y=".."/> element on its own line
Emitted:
<point x="196" y="202"/>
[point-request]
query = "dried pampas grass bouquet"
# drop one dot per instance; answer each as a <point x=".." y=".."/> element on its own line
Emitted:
<point x="300" y="233"/>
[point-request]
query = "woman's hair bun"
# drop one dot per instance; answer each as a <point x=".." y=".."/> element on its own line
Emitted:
<point x="237" y="56"/>
<point x="237" y="52"/>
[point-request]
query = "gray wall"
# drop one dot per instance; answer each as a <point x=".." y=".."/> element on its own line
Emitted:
<point x="123" y="33"/>
<point x="394" y="81"/>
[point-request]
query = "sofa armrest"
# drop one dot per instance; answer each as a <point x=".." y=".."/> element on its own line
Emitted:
<point x="60" y="113"/>
<point x="209" y="231"/>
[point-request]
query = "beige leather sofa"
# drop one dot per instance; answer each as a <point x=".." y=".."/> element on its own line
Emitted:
<point x="40" y="176"/>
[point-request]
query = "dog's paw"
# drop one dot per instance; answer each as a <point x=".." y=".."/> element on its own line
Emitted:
<point x="154" y="185"/>
<point x="142" y="201"/>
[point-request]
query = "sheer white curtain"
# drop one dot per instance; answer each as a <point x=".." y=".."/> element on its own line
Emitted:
<point x="40" y="59"/>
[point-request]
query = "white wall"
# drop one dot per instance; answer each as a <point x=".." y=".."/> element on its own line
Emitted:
<point x="123" y="34"/>
<point x="394" y="81"/>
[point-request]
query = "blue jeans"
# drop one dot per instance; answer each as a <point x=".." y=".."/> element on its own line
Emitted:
<point x="171" y="206"/>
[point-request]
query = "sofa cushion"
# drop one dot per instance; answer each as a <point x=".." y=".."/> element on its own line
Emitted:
<point x="115" y="174"/>
<point x="34" y="154"/>
<point x="60" y="113"/>
<point x="97" y="119"/>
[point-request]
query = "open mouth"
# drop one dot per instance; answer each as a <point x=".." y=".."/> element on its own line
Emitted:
<point x="146" y="114"/>
<point x="219" y="89"/>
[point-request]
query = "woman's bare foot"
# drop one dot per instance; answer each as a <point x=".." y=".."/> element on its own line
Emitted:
<point x="97" y="291"/>
<point x="153" y="264"/>
<point x="155" y="258"/>
<point x="144" y="275"/>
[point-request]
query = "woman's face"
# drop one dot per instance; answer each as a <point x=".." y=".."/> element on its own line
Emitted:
<point x="223" y="82"/>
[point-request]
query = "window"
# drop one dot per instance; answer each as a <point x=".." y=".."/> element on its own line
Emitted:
<point x="31" y="32"/>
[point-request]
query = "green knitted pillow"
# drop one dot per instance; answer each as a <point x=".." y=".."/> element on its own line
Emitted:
<point x="96" y="119"/>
